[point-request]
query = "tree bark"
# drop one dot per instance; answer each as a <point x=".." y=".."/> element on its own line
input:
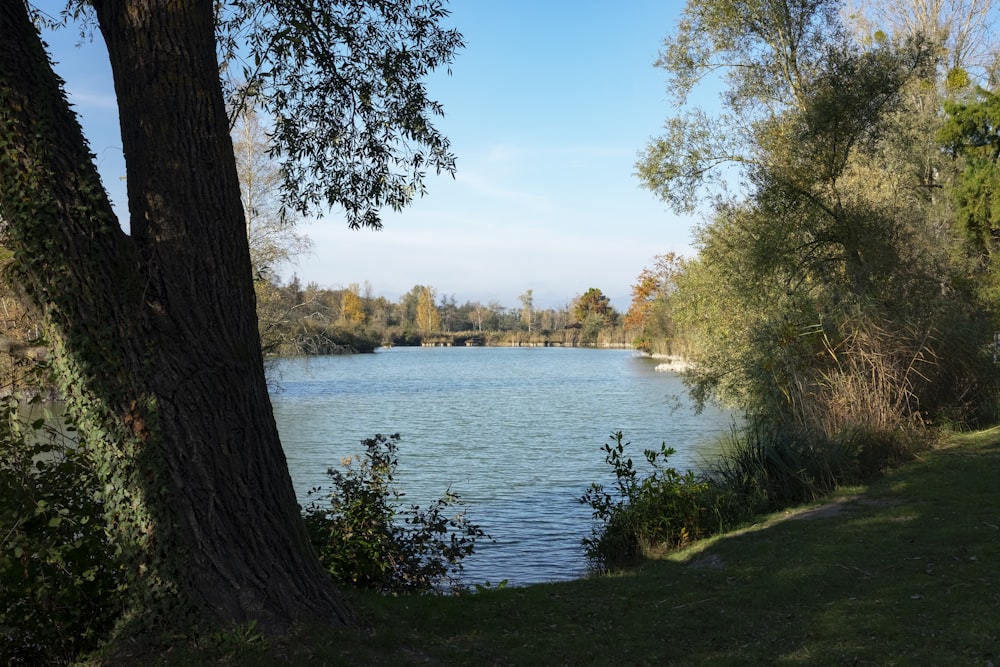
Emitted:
<point x="155" y="332"/>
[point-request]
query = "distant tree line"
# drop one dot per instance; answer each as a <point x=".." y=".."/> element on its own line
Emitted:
<point x="309" y="319"/>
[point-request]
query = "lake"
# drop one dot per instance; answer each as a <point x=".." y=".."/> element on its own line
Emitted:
<point x="516" y="432"/>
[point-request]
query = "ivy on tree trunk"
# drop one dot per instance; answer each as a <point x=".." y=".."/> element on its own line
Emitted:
<point x="154" y="332"/>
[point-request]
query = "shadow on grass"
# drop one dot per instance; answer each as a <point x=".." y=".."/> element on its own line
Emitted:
<point x="907" y="572"/>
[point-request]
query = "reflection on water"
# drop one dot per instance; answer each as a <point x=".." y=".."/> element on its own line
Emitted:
<point x="516" y="432"/>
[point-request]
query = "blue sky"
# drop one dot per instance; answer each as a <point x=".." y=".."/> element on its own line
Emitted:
<point x="547" y="108"/>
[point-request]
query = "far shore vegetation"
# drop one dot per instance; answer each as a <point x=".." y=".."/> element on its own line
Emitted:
<point x="303" y="320"/>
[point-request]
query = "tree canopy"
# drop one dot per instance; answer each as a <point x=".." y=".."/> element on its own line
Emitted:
<point x="353" y="123"/>
<point x="827" y="296"/>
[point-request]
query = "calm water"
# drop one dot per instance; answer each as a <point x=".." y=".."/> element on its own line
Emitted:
<point x="516" y="432"/>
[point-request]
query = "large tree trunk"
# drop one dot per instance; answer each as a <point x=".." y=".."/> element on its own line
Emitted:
<point x="155" y="332"/>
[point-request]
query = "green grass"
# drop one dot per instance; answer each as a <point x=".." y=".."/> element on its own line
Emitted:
<point x="906" y="573"/>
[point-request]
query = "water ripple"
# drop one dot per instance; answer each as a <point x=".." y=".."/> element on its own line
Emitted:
<point x="515" y="431"/>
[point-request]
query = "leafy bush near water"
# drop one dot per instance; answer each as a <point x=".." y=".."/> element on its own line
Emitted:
<point x="764" y="467"/>
<point x="365" y="538"/>
<point x="667" y="508"/>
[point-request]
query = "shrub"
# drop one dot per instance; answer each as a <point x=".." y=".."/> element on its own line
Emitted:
<point x="665" y="509"/>
<point x="768" y="465"/>
<point x="364" y="537"/>
<point x="58" y="585"/>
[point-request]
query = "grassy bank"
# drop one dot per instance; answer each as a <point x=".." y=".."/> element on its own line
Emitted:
<point x="905" y="571"/>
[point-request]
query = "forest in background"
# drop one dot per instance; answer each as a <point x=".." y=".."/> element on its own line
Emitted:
<point x="297" y="320"/>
